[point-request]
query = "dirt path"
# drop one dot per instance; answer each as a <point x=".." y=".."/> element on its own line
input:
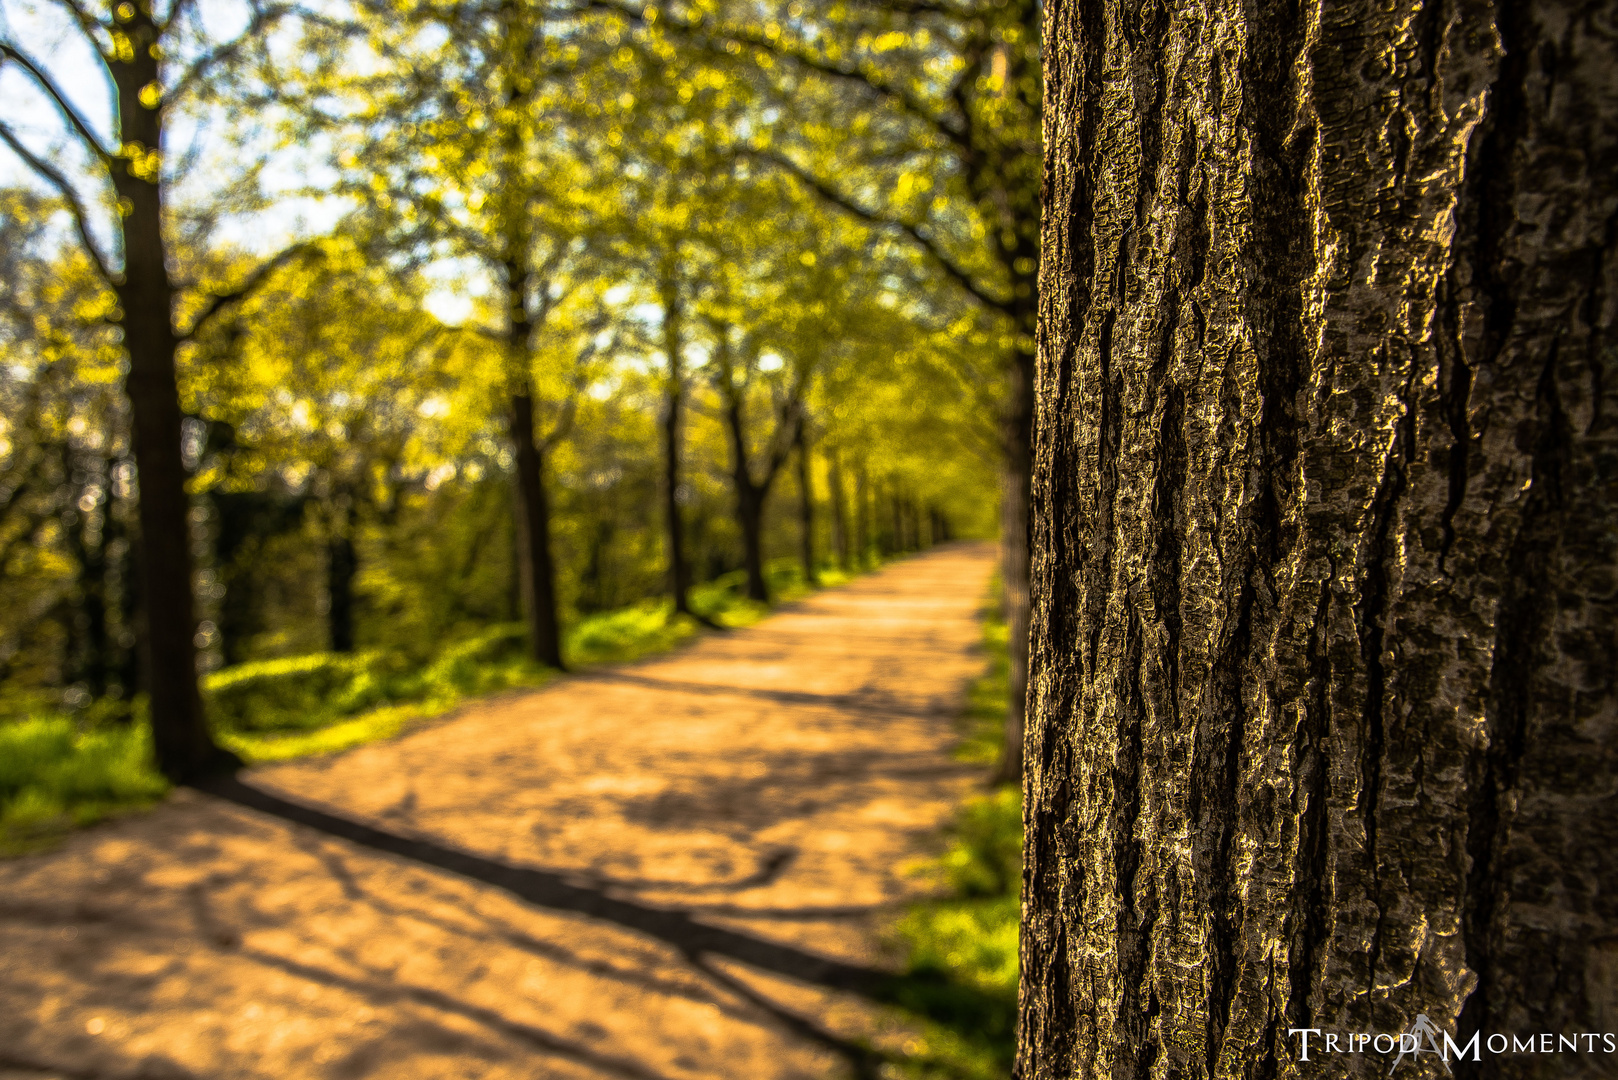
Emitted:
<point x="669" y="870"/>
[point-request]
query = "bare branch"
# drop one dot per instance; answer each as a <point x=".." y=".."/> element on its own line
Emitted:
<point x="80" y="128"/>
<point x="226" y="51"/>
<point x="254" y="280"/>
<point x="924" y="7"/>
<point x="55" y="178"/>
<point x="921" y="239"/>
<point x="564" y="424"/>
<point x="87" y="22"/>
<point x="176" y="13"/>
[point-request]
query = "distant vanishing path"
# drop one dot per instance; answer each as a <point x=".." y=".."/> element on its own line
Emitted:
<point x="663" y="871"/>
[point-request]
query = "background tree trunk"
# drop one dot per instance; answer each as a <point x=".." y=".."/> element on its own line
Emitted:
<point x="1323" y="707"/>
<point x="673" y="398"/>
<point x="862" y="515"/>
<point x="806" y="505"/>
<point x="342" y="566"/>
<point x="180" y="736"/>
<point x="536" y="568"/>
<point x="839" y="509"/>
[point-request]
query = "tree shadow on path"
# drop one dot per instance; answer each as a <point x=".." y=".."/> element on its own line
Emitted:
<point x="924" y="994"/>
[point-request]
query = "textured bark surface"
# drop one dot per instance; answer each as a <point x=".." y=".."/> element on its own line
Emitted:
<point x="1323" y="706"/>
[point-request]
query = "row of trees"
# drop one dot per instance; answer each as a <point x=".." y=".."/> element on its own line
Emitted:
<point x="671" y="297"/>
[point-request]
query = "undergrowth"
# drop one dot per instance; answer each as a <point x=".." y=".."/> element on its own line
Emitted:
<point x="61" y="770"/>
<point x="960" y="948"/>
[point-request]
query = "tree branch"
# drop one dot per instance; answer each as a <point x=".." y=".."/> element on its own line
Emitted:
<point x="563" y="426"/>
<point x="923" y="7"/>
<point x="87" y="22"/>
<point x="248" y="287"/>
<point x="199" y="67"/>
<point x="74" y="206"/>
<point x="80" y="128"/>
<point x="922" y="240"/>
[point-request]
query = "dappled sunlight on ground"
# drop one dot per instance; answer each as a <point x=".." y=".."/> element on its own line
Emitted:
<point x="672" y="869"/>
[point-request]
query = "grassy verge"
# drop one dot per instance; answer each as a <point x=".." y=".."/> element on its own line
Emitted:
<point x="960" y="948"/>
<point x="55" y="776"/>
<point x="60" y="771"/>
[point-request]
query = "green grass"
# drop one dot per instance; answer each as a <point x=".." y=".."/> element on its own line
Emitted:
<point x="60" y="771"/>
<point x="959" y="974"/>
<point x="55" y="777"/>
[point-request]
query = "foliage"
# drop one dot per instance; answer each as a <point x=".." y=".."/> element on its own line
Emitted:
<point x="59" y="771"/>
<point x="297" y="692"/>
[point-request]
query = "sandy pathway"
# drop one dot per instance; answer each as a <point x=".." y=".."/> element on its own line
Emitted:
<point x="667" y="870"/>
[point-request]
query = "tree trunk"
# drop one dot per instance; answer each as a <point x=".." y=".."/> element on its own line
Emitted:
<point x="749" y="502"/>
<point x="673" y="398"/>
<point x="1324" y="710"/>
<point x="896" y="513"/>
<point x="129" y="670"/>
<point x="839" y="510"/>
<point x="342" y="566"/>
<point x="862" y="514"/>
<point x="180" y="735"/>
<point x="806" y="507"/>
<point x="536" y="568"/>
<point x="89" y="659"/>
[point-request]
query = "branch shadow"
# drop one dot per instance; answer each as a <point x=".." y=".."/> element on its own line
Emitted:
<point x="553" y="891"/>
<point x="927" y="995"/>
<point x="863" y="701"/>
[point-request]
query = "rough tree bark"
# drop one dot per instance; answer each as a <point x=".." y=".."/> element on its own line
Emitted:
<point x="1323" y="707"/>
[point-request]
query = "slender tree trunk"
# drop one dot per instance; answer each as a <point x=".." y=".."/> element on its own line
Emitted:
<point x="536" y="568"/>
<point x="673" y="399"/>
<point x="342" y="566"/>
<point x="87" y="640"/>
<point x="897" y="518"/>
<point x="180" y="735"/>
<point x="839" y="510"/>
<point x="234" y="517"/>
<point x="750" y="516"/>
<point x="750" y="497"/>
<point x="130" y="671"/>
<point x="806" y="506"/>
<point x="862" y="514"/>
<point x="1324" y="712"/>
